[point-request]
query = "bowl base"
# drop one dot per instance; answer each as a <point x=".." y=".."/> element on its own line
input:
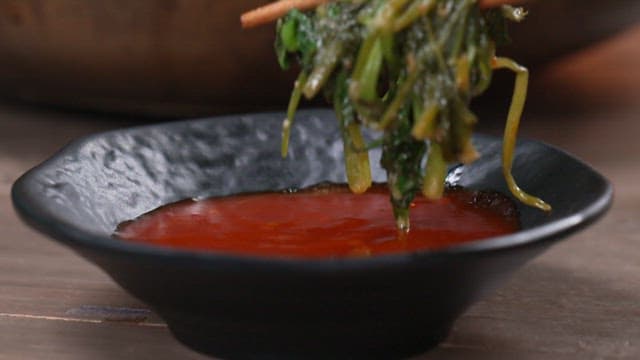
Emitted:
<point x="231" y="342"/>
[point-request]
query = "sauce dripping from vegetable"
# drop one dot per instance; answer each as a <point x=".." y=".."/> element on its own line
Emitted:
<point x="323" y="222"/>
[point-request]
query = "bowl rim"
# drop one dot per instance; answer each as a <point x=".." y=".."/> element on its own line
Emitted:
<point x="34" y="212"/>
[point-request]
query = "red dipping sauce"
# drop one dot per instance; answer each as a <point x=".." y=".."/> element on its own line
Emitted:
<point x="324" y="222"/>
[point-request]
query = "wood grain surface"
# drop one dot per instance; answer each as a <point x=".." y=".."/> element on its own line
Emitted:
<point x="579" y="300"/>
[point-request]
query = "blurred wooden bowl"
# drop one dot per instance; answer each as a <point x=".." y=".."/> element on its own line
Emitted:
<point x="180" y="58"/>
<point x="558" y="27"/>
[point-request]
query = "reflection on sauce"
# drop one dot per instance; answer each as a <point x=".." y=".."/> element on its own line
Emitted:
<point x="321" y="223"/>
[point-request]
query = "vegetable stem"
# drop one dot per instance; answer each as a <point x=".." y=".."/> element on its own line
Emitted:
<point x="294" y="101"/>
<point x="433" y="183"/>
<point x="511" y="130"/>
<point x="425" y="124"/>
<point x="416" y="10"/>
<point x="325" y="64"/>
<point x="356" y="161"/>
<point x="356" y="156"/>
<point x="402" y="96"/>
<point x="367" y="70"/>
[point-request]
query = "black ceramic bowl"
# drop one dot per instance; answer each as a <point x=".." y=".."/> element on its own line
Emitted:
<point x="246" y="307"/>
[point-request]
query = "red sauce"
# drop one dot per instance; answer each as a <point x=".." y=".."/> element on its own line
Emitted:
<point x="330" y="222"/>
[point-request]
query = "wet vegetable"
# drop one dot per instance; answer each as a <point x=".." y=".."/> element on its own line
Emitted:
<point x="408" y="68"/>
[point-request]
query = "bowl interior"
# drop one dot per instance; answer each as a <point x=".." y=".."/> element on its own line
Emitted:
<point x="97" y="182"/>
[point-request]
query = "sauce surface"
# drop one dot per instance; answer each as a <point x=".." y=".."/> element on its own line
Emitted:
<point x="321" y="223"/>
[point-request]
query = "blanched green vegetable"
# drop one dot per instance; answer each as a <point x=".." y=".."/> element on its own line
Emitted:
<point x="410" y="69"/>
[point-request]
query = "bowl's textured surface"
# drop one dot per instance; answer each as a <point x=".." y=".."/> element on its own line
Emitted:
<point x="244" y="307"/>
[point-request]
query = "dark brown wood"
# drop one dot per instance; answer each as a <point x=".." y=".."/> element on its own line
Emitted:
<point x="579" y="300"/>
<point x="191" y="57"/>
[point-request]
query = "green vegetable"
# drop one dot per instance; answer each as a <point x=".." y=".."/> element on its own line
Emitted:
<point x="410" y="69"/>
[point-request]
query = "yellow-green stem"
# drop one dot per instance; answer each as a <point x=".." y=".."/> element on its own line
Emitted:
<point x="425" y="123"/>
<point x="294" y="101"/>
<point x="511" y="130"/>
<point x="356" y="160"/>
<point x="433" y="183"/>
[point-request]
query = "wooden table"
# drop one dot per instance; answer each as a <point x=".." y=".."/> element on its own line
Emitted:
<point x="579" y="300"/>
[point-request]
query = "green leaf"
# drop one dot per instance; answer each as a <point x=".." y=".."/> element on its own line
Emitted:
<point x="295" y="38"/>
